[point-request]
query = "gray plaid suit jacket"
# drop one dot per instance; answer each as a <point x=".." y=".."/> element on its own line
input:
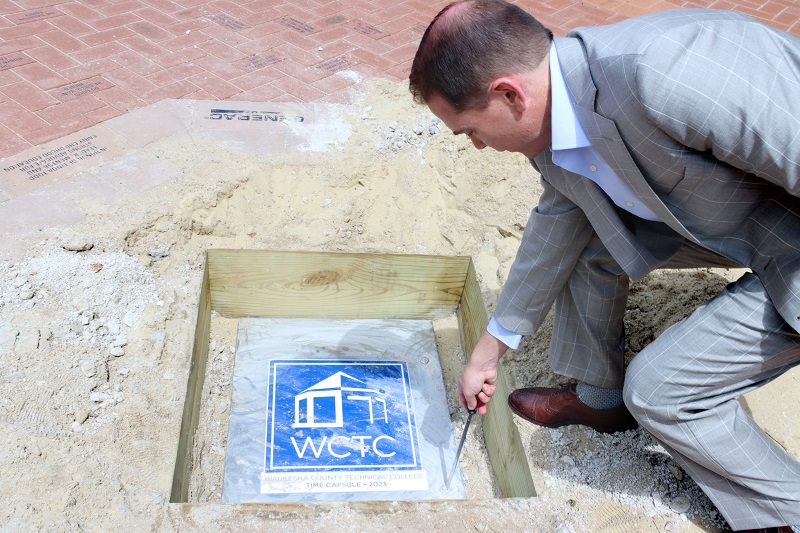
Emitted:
<point x="698" y="111"/>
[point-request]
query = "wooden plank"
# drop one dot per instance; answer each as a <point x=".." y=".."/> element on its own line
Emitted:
<point x="503" y="443"/>
<point x="274" y="284"/>
<point x="194" y="389"/>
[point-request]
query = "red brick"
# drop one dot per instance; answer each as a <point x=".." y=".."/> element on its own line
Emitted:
<point x="771" y="9"/>
<point x="346" y="96"/>
<point x="336" y="49"/>
<point x="99" y="67"/>
<point x="403" y="37"/>
<point x="130" y="81"/>
<point x="172" y="74"/>
<point x="33" y="4"/>
<point x="328" y="10"/>
<point x="331" y="34"/>
<point x="11" y="143"/>
<point x="49" y="133"/>
<point x="400" y="72"/>
<point x="102" y="114"/>
<point x="333" y="83"/>
<point x="80" y="11"/>
<point x="16" y="45"/>
<point x="19" y="119"/>
<point x="120" y="8"/>
<point x="121" y="99"/>
<point x="41" y="76"/>
<point x="24" y="30"/>
<point x="71" y="25"/>
<point x="149" y="30"/>
<point x="188" y="13"/>
<point x="229" y="8"/>
<point x="180" y="27"/>
<point x="377" y="61"/>
<point x="297" y="55"/>
<point x="366" y="8"/>
<point x="295" y="11"/>
<point x="222" y="51"/>
<point x="28" y="95"/>
<point x="254" y="19"/>
<point x="220" y="68"/>
<point x="225" y="35"/>
<point x="7" y="6"/>
<point x="61" y="113"/>
<point x="178" y="89"/>
<point x="257" y="30"/>
<point x="156" y="17"/>
<point x="304" y="73"/>
<point x="136" y="63"/>
<point x="257" y="78"/>
<point x="144" y="47"/>
<point x="8" y="77"/>
<point x="257" y="62"/>
<point x="167" y="6"/>
<point x="786" y="18"/>
<point x="263" y="93"/>
<point x="404" y="53"/>
<point x="14" y="60"/>
<point x="214" y="85"/>
<point x="80" y="89"/>
<point x="303" y="91"/>
<point x="288" y="99"/>
<point x="33" y="15"/>
<point x="182" y="40"/>
<point x="368" y="43"/>
<point x="114" y="22"/>
<point x="259" y="5"/>
<point x="104" y="51"/>
<point x="106" y="36"/>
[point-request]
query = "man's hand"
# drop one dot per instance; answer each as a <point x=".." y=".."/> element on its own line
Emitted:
<point x="479" y="379"/>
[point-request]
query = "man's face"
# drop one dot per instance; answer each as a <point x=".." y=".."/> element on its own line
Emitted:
<point x="512" y="122"/>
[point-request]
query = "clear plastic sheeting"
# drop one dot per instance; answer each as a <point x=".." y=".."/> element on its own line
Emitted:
<point x="338" y="410"/>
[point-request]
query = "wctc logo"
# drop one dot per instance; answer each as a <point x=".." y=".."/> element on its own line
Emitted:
<point x="335" y="416"/>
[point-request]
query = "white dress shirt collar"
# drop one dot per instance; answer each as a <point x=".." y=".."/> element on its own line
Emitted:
<point x="567" y="132"/>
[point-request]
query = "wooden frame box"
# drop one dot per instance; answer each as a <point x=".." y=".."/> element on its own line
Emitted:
<point x="280" y="284"/>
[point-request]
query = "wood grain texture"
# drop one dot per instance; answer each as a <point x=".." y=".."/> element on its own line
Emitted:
<point x="194" y="390"/>
<point x="274" y="284"/>
<point x="503" y="443"/>
<point x="280" y="284"/>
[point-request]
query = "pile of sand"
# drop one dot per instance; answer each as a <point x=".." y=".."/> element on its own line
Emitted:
<point x="96" y="329"/>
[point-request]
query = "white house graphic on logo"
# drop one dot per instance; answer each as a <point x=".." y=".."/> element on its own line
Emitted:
<point x="321" y="405"/>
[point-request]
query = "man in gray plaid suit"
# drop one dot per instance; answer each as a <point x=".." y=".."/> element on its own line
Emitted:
<point x="670" y="140"/>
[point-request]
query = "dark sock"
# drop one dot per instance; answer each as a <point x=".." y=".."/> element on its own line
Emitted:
<point x="599" y="397"/>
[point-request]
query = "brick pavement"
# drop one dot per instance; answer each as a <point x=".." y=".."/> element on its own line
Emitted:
<point x="65" y="66"/>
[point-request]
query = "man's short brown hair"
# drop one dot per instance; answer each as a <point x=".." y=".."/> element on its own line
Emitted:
<point x="471" y="43"/>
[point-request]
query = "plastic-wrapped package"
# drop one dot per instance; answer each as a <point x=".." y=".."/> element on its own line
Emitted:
<point x="338" y="410"/>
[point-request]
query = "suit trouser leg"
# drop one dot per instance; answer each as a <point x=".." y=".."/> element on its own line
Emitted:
<point x="683" y="387"/>
<point x="588" y="327"/>
<point x="588" y="342"/>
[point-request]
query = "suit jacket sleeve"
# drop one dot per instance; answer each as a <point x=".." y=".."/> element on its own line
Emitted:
<point x="732" y="88"/>
<point x="556" y="234"/>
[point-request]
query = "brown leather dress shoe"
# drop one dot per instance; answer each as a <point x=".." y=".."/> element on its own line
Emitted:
<point x="554" y="408"/>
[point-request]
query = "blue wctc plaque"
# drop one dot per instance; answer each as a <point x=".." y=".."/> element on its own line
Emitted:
<point x="341" y="426"/>
<point x="338" y="410"/>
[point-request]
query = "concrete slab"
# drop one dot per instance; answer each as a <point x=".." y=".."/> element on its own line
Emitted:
<point x="62" y="159"/>
<point x="101" y="167"/>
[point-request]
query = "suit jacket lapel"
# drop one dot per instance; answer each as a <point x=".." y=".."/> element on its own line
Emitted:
<point x="603" y="133"/>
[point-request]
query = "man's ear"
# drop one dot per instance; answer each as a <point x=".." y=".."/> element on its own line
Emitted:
<point x="510" y="91"/>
